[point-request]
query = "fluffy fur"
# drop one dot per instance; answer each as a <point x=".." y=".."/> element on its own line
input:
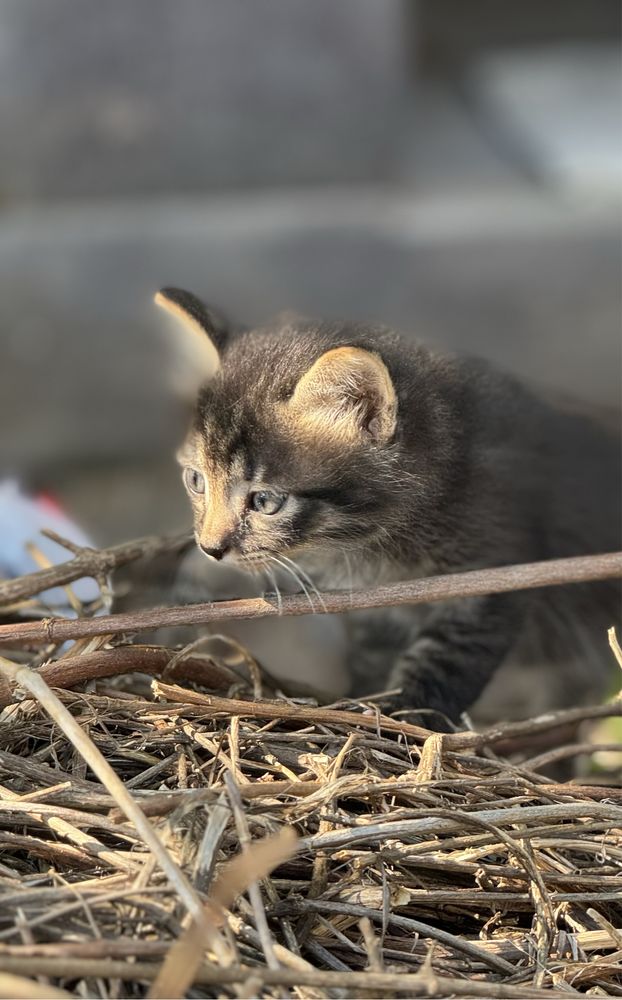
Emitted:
<point x="396" y="462"/>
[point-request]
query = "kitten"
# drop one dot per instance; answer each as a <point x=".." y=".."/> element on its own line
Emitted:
<point x="367" y="458"/>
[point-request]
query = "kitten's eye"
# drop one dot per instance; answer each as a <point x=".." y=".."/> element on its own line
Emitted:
<point x="266" y="502"/>
<point x="194" y="480"/>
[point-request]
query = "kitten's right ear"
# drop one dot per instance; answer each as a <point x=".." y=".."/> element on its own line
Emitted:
<point x="204" y="331"/>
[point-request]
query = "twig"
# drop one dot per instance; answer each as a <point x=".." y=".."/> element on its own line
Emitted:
<point x="615" y="645"/>
<point x="213" y="705"/>
<point x="72" y="670"/>
<point x="96" y="563"/>
<point x="574" y="750"/>
<point x="68" y="671"/>
<point x="21" y="988"/>
<point x="160" y="804"/>
<point x="254" y="892"/>
<point x="254" y="862"/>
<point x="37" y="687"/>
<point x="205" y="860"/>
<point x="532" y="727"/>
<point x="372" y="945"/>
<point x="474" y="583"/>
<point x="410" y="828"/>
<point x="411" y="984"/>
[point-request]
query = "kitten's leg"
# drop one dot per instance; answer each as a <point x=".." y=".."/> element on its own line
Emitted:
<point x="376" y="638"/>
<point x="454" y="655"/>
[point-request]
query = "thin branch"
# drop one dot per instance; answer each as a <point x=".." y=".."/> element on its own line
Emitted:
<point x="96" y="563"/>
<point x="158" y="661"/>
<point x="474" y="583"/>
<point x="412" y="984"/>
<point x="30" y="681"/>
<point x="615" y="645"/>
<point x="213" y="705"/>
<point x="432" y="825"/>
<point x="154" y="660"/>
<point x="162" y="804"/>
<point x="254" y="892"/>
<point x="459" y="944"/>
<point x="21" y="988"/>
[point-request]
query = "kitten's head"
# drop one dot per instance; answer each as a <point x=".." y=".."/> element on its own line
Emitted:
<point x="292" y="446"/>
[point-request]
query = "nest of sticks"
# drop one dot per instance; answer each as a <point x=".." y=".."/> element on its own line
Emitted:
<point x="169" y="828"/>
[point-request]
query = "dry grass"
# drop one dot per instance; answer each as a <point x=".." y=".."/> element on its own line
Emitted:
<point x="424" y="865"/>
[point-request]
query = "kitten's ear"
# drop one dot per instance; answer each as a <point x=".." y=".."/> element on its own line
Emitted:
<point x="347" y="393"/>
<point x="203" y="332"/>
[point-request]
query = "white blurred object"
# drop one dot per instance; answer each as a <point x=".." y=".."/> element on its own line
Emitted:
<point x="559" y="108"/>
<point x="22" y="519"/>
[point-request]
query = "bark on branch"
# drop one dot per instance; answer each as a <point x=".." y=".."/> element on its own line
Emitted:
<point x="96" y="563"/>
<point x="474" y="583"/>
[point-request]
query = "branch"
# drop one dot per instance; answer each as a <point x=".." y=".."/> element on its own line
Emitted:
<point x="153" y="660"/>
<point x="474" y="583"/>
<point x="96" y="563"/>
<point x="415" y="984"/>
<point x="213" y="705"/>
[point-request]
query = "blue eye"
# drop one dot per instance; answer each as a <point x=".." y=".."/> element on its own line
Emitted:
<point x="266" y="502"/>
<point x="194" y="480"/>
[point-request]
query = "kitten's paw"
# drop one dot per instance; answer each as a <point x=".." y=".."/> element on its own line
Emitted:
<point x="399" y="707"/>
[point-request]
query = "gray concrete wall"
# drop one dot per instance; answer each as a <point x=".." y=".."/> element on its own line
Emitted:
<point x="84" y="369"/>
<point x="151" y="96"/>
<point x="271" y="154"/>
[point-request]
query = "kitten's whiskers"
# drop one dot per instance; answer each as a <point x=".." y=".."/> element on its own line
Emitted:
<point x="261" y="566"/>
<point x="303" y="573"/>
<point x="272" y="578"/>
<point x="296" y="578"/>
<point x="348" y="562"/>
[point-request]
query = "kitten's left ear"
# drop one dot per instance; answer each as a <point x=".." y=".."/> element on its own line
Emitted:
<point x="205" y="331"/>
<point x="347" y="393"/>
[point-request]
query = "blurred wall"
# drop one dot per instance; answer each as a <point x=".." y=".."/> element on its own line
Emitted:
<point x="285" y="154"/>
<point x="152" y="96"/>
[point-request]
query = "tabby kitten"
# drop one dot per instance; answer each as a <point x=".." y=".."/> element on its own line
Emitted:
<point x="358" y="457"/>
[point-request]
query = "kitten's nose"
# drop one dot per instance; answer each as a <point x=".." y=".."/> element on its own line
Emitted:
<point x="217" y="552"/>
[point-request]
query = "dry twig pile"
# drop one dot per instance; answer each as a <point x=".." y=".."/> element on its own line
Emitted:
<point x="425" y="865"/>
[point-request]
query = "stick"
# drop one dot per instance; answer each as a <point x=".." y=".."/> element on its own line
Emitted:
<point x="72" y="670"/>
<point x="615" y="645"/>
<point x="214" y="705"/>
<point x="96" y="563"/>
<point x="30" y="681"/>
<point x="21" y="988"/>
<point x="409" y="983"/>
<point x="474" y="583"/>
<point x="431" y="825"/>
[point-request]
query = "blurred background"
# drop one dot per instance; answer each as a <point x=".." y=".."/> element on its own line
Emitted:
<point x="453" y="169"/>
